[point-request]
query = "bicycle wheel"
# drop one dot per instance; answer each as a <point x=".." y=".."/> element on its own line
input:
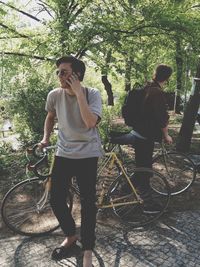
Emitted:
<point x="178" y="169"/>
<point x="129" y="207"/>
<point x="26" y="209"/>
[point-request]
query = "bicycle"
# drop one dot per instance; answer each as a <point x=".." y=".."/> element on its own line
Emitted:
<point x="127" y="204"/>
<point x="196" y="160"/>
<point x="177" y="167"/>
<point x="26" y="208"/>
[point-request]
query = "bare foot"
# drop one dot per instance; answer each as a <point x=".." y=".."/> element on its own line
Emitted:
<point x="87" y="258"/>
<point x="69" y="241"/>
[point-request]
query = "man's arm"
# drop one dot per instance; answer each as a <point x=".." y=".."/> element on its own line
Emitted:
<point x="48" y="127"/>
<point x="161" y="115"/>
<point x="166" y="136"/>
<point x="89" y="118"/>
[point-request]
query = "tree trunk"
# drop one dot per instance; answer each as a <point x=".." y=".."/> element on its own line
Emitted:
<point x="128" y="67"/>
<point x="185" y="134"/>
<point x="108" y="88"/>
<point x="104" y="79"/>
<point x="179" y="66"/>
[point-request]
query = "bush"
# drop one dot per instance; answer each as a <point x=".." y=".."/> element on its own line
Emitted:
<point x="28" y="107"/>
<point x="12" y="166"/>
<point x="108" y="122"/>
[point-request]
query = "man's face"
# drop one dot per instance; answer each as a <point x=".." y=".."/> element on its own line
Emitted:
<point x="64" y="72"/>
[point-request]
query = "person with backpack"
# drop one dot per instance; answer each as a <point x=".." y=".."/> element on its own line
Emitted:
<point x="78" y="110"/>
<point x="145" y="110"/>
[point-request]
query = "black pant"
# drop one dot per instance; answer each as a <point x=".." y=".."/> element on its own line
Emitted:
<point x="143" y="157"/>
<point x="85" y="171"/>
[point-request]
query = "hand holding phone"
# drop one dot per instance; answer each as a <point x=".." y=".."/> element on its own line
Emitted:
<point x="74" y="82"/>
<point x="74" y="76"/>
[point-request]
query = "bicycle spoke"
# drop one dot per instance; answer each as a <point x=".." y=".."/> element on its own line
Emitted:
<point x="178" y="169"/>
<point x="129" y="207"/>
<point x="26" y="209"/>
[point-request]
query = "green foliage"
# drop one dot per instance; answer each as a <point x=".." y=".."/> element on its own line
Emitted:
<point x="4" y="151"/>
<point x="105" y="125"/>
<point x="26" y="136"/>
<point x="106" y="34"/>
<point x="28" y="105"/>
<point x="2" y="112"/>
<point x="12" y="164"/>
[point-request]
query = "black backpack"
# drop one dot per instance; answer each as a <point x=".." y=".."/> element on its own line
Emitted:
<point x="133" y="106"/>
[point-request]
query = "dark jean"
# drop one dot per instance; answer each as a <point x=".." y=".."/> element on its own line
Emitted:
<point x="124" y="139"/>
<point x="85" y="171"/>
<point x="143" y="158"/>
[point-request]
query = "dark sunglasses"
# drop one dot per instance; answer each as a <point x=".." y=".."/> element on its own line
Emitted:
<point x="61" y="72"/>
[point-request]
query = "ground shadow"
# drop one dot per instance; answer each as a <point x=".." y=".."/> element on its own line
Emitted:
<point x="37" y="250"/>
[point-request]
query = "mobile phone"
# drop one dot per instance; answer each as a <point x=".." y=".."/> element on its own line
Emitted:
<point x="77" y="74"/>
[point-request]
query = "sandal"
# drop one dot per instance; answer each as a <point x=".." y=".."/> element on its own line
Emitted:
<point x="63" y="252"/>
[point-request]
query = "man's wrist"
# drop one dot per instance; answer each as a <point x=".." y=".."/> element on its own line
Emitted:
<point x="45" y="141"/>
<point x="79" y="93"/>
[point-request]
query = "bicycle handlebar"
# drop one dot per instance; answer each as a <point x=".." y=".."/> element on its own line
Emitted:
<point x="42" y="155"/>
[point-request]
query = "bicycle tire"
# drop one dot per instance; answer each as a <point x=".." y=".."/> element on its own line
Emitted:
<point x="23" y="213"/>
<point x="120" y="193"/>
<point x="180" y="171"/>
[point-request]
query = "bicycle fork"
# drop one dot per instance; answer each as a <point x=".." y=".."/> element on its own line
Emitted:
<point x="41" y="203"/>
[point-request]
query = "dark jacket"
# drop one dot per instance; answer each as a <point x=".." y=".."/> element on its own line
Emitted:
<point x="154" y="115"/>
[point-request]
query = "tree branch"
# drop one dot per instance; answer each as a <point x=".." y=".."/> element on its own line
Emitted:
<point x="29" y="56"/>
<point x="158" y="27"/>
<point x="16" y="37"/>
<point x="13" y="30"/>
<point x="21" y="11"/>
<point x="44" y="5"/>
<point x="81" y="52"/>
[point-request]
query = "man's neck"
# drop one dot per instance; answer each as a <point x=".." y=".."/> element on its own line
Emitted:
<point x="69" y="91"/>
<point x="159" y="83"/>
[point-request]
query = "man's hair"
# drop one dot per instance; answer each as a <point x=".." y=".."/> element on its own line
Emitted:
<point x="77" y="65"/>
<point x="162" y="73"/>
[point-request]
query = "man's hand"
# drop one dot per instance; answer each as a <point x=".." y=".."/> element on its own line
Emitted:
<point x="74" y="83"/>
<point x="168" y="139"/>
<point x="43" y="143"/>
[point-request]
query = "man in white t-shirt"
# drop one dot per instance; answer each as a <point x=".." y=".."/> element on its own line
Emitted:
<point x="78" y="110"/>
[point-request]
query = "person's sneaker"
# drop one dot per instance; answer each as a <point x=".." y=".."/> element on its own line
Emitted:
<point x="62" y="252"/>
<point x="152" y="208"/>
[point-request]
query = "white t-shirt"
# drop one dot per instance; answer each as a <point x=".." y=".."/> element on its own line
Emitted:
<point x="75" y="140"/>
